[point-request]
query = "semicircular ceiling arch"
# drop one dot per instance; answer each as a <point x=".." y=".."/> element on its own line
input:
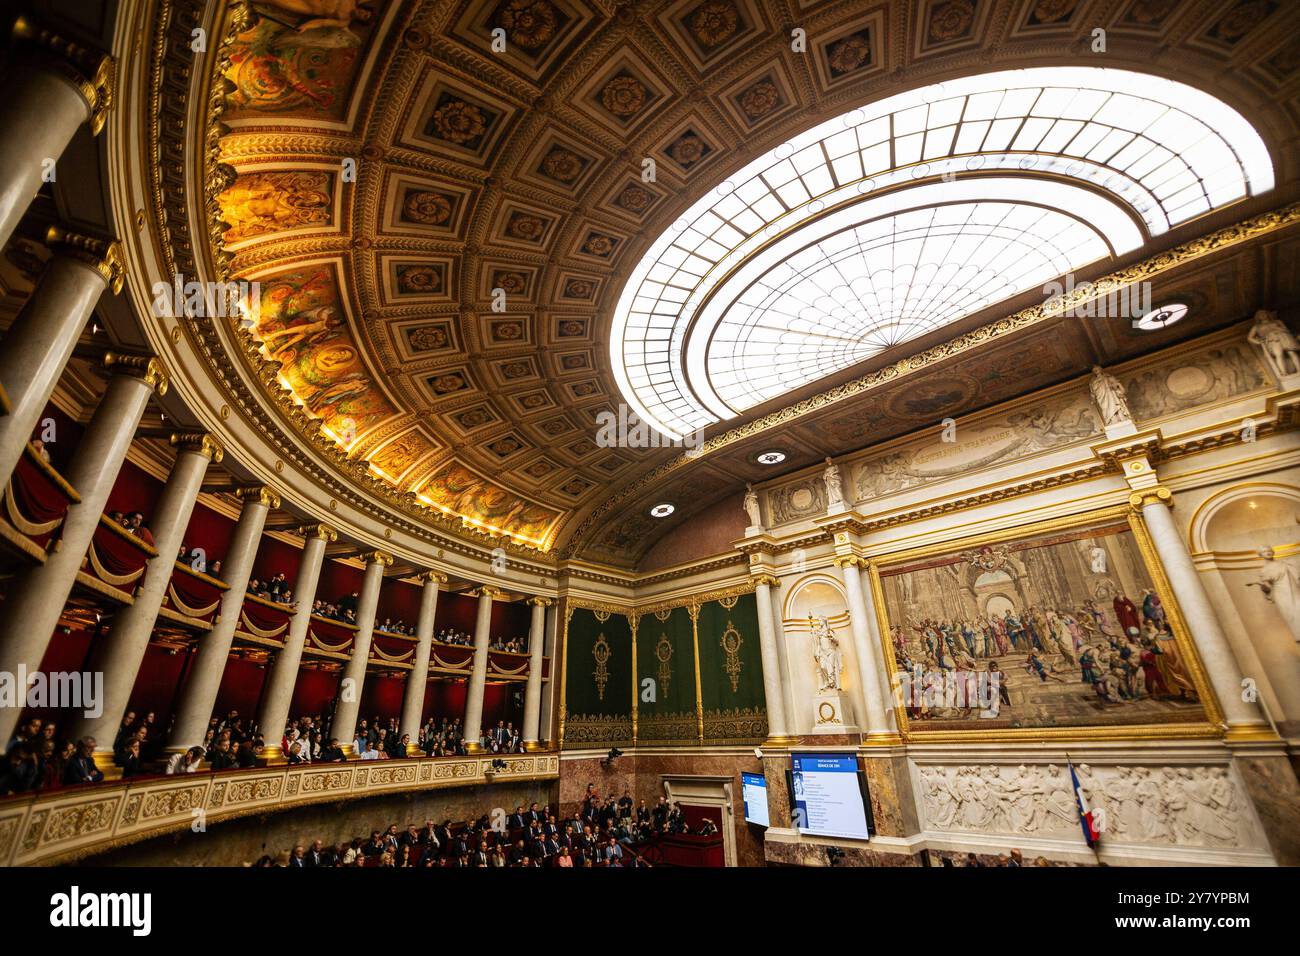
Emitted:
<point x="936" y="202"/>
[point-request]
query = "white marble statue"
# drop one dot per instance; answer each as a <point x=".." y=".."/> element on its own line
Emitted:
<point x="1108" y="393"/>
<point x="826" y="651"/>
<point x="751" y="507"/>
<point x="834" y="485"/>
<point x="1281" y="349"/>
<point x="1280" y="583"/>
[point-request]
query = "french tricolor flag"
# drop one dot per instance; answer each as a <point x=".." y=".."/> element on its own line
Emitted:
<point x="1090" y="831"/>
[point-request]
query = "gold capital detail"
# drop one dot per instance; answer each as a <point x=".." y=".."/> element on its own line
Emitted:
<point x="540" y="601"/>
<point x="258" y="493"/>
<point x="200" y="443"/>
<point x="769" y="580"/>
<point x="1138" y="499"/>
<point x="378" y="557"/>
<point x="317" y="530"/>
<point x="93" y="73"/>
<point x="144" y="367"/>
<point x="434" y="577"/>
<point x="601" y="651"/>
<point x="851" y="560"/>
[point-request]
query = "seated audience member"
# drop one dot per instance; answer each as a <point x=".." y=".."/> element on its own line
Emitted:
<point x="132" y="765"/>
<point x="188" y="761"/>
<point x="81" y="768"/>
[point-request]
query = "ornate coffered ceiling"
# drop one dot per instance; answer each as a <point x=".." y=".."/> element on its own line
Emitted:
<point x="441" y="201"/>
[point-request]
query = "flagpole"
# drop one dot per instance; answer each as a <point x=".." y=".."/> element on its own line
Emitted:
<point x="1085" y="812"/>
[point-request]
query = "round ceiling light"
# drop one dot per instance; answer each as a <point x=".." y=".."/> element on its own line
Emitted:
<point x="770" y="457"/>
<point x="1162" y="317"/>
<point x="662" y="510"/>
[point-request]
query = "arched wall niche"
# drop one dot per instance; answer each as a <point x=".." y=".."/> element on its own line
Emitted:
<point x="820" y="594"/>
<point x="1227" y="532"/>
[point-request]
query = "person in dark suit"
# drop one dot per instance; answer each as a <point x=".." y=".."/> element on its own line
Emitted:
<point x="298" y="859"/>
<point x="516" y="820"/>
<point x="315" y="857"/>
<point x="480" y="856"/>
<point x="332" y="753"/>
<point x="81" y="768"/>
<point x="132" y="766"/>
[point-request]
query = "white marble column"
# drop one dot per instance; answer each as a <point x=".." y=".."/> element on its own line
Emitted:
<point x="277" y="698"/>
<point x="545" y="725"/>
<point x="199" y="694"/>
<point x="36" y="348"/>
<point x="876" y="723"/>
<point x="878" y="645"/>
<point x="478" y="675"/>
<point x="533" y="689"/>
<point x="37" y="597"/>
<point x="354" y="672"/>
<point x="51" y="88"/>
<point x="1245" y="719"/>
<point x="418" y="679"/>
<point x="119" y="657"/>
<point x="778" y="728"/>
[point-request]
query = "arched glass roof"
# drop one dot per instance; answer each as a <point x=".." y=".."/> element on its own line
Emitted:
<point x="894" y="220"/>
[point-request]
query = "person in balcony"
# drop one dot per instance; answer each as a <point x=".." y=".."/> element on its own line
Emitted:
<point x="82" y="769"/>
<point x="132" y="764"/>
<point x="222" y="758"/>
<point x="187" y="762"/>
<point x="135" y="524"/>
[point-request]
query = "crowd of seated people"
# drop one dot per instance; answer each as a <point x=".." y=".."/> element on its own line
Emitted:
<point x="133" y="522"/>
<point x="36" y="758"/>
<point x="275" y="588"/>
<point x="532" y="837"/>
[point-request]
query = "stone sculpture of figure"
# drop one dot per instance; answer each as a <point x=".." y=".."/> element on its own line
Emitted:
<point x="826" y="651"/>
<point x="751" y="507"/>
<point x="1280" y="582"/>
<point x="834" y="485"/>
<point x="1281" y="349"/>
<point x="1109" y="395"/>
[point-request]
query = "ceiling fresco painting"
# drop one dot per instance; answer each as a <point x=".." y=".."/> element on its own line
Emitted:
<point x="443" y="227"/>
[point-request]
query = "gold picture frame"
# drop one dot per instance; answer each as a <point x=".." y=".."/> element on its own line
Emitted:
<point x="1210" y="726"/>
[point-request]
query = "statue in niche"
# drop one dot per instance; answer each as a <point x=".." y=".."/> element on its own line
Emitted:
<point x="1281" y="349"/>
<point x="1280" y="583"/>
<point x="1109" y="395"/>
<point x="834" y="485"/>
<point x="751" y="507"/>
<point x="826" y="651"/>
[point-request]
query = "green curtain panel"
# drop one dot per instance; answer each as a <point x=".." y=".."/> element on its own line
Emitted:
<point x="665" y="655"/>
<point x="598" y="681"/>
<point x="731" y="671"/>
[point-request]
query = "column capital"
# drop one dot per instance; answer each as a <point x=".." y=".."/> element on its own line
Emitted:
<point x="378" y="557"/>
<point x="485" y="590"/>
<point x="201" y="443"/>
<point x="317" y="530"/>
<point x="1159" y="494"/>
<point x="105" y="256"/>
<point x="431" y="577"/>
<point x="144" y="367"/>
<point x="259" y="493"/>
<point x="94" y="74"/>
<point x="771" y="580"/>
<point x="852" y="560"/>
<point x="540" y="601"/>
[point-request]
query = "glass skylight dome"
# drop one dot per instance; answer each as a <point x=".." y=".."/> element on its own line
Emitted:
<point x="897" y="219"/>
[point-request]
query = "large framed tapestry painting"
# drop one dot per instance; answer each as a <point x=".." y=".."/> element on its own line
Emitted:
<point x="1048" y="627"/>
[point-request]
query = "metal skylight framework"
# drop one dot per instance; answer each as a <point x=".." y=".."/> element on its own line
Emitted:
<point x="897" y="219"/>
